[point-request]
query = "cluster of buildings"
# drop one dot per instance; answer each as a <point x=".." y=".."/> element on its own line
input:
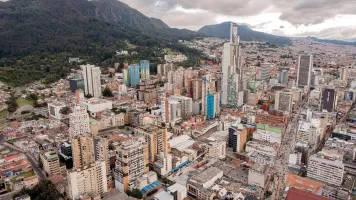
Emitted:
<point x="254" y="125"/>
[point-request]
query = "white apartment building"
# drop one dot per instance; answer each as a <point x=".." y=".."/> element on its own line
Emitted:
<point x="163" y="163"/>
<point x="130" y="165"/>
<point x="88" y="179"/>
<point x="308" y="132"/>
<point x="175" y="58"/>
<point x="96" y="105"/>
<point x="171" y="111"/>
<point x="92" y="82"/>
<point x="186" y="105"/>
<point x="54" y="109"/>
<point x="216" y="148"/>
<point x="261" y="147"/>
<point x="257" y="175"/>
<point x="50" y="162"/>
<point x="269" y="136"/>
<point x="79" y="122"/>
<point x="326" y="166"/>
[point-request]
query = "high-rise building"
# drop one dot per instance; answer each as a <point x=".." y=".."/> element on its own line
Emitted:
<point x="50" y="161"/>
<point x="344" y="73"/>
<point x="305" y="66"/>
<point x="163" y="164"/>
<point x="92" y="82"/>
<point x="283" y="76"/>
<point x="101" y="151"/>
<point x="328" y="102"/>
<point x="171" y="111"/>
<point x="126" y="74"/>
<point x="196" y="89"/>
<point x="134" y="71"/>
<point x="131" y="163"/>
<point x="186" y="105"/>
<point x="237" y="137"/>
<point x="145" y="69"/>
<point x="234" y="98"/>
<point x="283" y="101"/>
<point x="78" y="122"/>
<point x="266" y="70"/>
<point x="89" y="179"/>
<point x="326" y="166"/>
<point x="82" y="151"/>
<point x="156" y="138"/>
<point x="231" y="62"/>
<point x="212" y="105"/>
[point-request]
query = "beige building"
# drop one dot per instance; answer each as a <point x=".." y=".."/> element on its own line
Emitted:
<point x="101" y="151"/>
<point x="50" y="162"/>
<point x="257" y="175"/>
<point x="156" y="138"/>
<point x="216" y="148"/>
<point x="89" y="179"/>
<point x="131" y="163"/>
<point x="78" y="122"/>
<point x="82" y="151"/>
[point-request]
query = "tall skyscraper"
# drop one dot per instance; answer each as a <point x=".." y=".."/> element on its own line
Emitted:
<point x="196" y="89"/>
<point x="145" y="69"/>
<point x="266" y="70"/>
<point x="283" y="101"/>
<point x="92" y="82"/>
<point x="126" y="77"/>
<point x="89" y="179"/>
<point x="78" y="122"/>
<point x="131" y="163"/>
<point x="237" y="137"/>
<point x="82" y="151"/>
<point x="101" y="151"/>
<point x="134" y="71"/>
<point x="156" y="138"/>
<point x="283" y="75"/>
<point x="305" y="66"/>
<point x="231" y="63"/>
<point x="212" y="105"/>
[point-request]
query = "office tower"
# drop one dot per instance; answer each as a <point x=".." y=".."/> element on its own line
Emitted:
<point x="186" y="105"/>
<point x="266" y="71"/>
<point x="101" y="151"/>
<point x="145" y="69"/>
<point x="82" y="151"/>
<point x="50" y="161"/>
<point x="305" y="66"/>
<point x="196" y="89"/>
<point x="89" y="179"/>
<point x="204" y="94"/>
<point x="92" y="82"/>
<point x="283" y="101"/>
<point x="326" y="166"/>
<point x="212" y="105"/>
<point x="126" y="74"/>
<point x="134" y="71"/>
<point x="344" y="73"/>
<point x="156" y="138"/>
<point x="78" y="122"/>
<point x="328" y="102"/>
<point x="234" y="99"/>
<point x="76" y="83"/>
<point x="231" y="62"/>
<point x="237" y="137"/>
<point x="283" y="76"/>
<point x="130" y="163"/>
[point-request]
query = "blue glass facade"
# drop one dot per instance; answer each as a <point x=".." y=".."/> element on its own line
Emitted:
<point x="145" y="69"/>
<point x="134" y="71"/>
<point x="210" y="106"/>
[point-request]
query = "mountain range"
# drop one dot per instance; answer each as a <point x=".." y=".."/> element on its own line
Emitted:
<point x="39" y="26"/>
<point x="246" y="33"/>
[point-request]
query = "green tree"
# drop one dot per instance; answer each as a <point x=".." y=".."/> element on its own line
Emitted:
<point x="136" y="193"/>
<point x="260" y="102"/>
<point x="107" y="92"/>
<point x="12" y="103"/>
<point x="45" y="190"/>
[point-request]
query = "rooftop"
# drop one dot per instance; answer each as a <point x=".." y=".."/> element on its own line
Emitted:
<point x="296" y="194"/>
<point x="51" y="155"/>
<point x="206" y="175"/>
<point x="304" y="184"/>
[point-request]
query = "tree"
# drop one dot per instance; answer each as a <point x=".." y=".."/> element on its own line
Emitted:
<point x="65" y="110"/>
<point x="136" y="193"/>
<point x="107" y="92"/>
<point x="260" y="102"/>
<point x="12" y="103"/>
<point x="33" y="97"/>
<point x="45" y="190"/>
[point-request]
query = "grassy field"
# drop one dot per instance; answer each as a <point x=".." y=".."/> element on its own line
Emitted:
<point x="3" y="114"/>
<point x="167" y="51"/>
<point x="23" y="102"/>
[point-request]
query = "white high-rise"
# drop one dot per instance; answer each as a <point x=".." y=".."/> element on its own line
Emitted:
<point x="78" y="122"/>
<point x="88" y="179"/>
<point x="231" y="63"/>
<point x="92" y="80"/>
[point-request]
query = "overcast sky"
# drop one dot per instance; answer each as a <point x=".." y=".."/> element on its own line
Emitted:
<point x="334" y="19"/>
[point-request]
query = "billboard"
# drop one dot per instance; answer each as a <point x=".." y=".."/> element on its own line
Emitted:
<point x="328" y="99"/>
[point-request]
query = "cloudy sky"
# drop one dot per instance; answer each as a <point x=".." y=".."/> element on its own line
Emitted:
<point x="334" y="19"/>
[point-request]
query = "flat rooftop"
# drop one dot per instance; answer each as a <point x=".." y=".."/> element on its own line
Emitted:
<point x="207" y="174"/>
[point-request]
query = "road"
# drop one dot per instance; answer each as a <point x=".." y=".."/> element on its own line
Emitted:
<point x="31" y="159"/>
<point x="7" y="196"/>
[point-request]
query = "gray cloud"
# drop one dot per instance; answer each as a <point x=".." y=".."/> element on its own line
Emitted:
<point x="296" y="12"/>
<point x="336" y="33"/>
